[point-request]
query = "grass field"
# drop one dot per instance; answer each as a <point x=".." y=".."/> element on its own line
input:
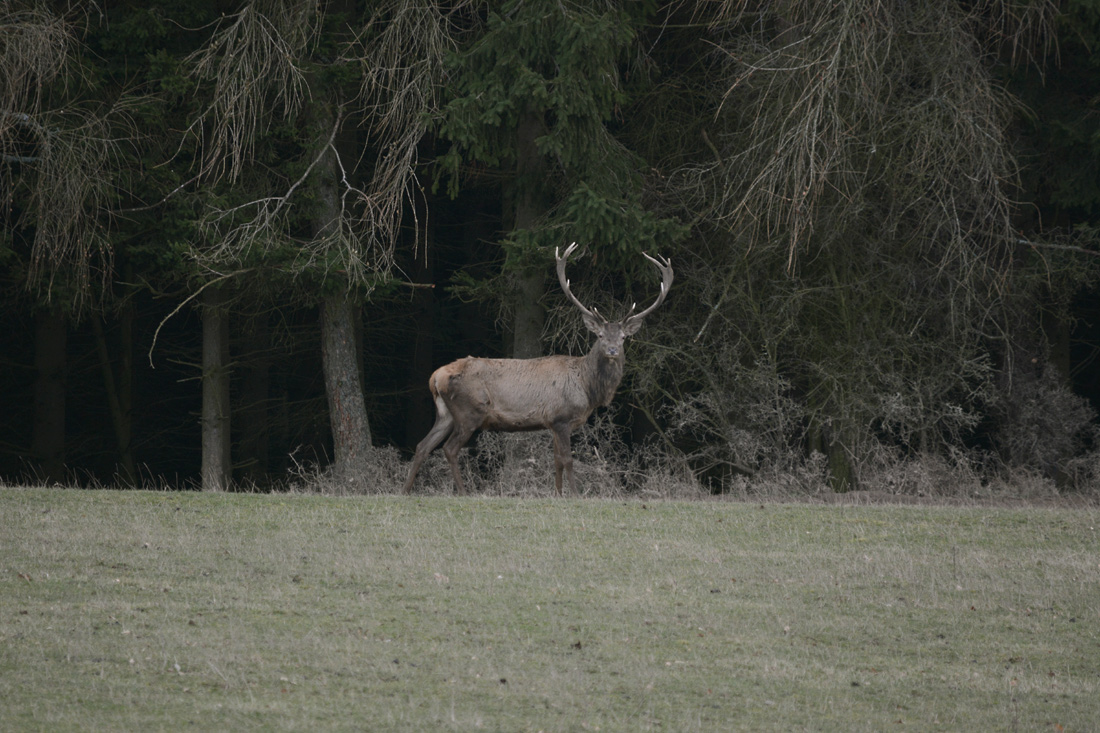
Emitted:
<point x="147" y="611"/>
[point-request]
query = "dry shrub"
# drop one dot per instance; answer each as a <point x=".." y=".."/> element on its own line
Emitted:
<point x="522" y="464"/>
<point x="1084" y="471"/>
<point x="931" y="475"/>
<point x="668" y="479"/>
<point x="1047" y="428"/>
<point x="792" y="478"/>
<point x="511" y="464"/>
<point x="744" y="431"/>
<point x="1053" y="427"/>
<point x="1022" y="483"/>
<point x="379" y="470"/>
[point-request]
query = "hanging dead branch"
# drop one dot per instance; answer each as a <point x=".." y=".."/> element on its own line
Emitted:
<point x="840" y="114"/>
<point x="64" y="152"/>
<point x="70" y="202"/>
<point x="401" y="53"/>
<point x="254" y="64"/>
<point x="34" y="48"/>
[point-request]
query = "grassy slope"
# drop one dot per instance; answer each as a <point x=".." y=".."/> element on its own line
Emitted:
<point x="151" y="610"/>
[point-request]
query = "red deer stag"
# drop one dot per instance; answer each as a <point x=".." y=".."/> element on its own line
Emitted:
<point x="555" y="393"/>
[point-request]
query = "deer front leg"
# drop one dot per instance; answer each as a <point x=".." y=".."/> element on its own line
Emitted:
<point x="563" y="457"/>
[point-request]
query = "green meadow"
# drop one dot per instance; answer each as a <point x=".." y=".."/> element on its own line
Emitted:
<point x="169" y="611"/>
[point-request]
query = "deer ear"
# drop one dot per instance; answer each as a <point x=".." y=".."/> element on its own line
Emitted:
<point x="631" y="326"/>
<point x="593" y="322"/>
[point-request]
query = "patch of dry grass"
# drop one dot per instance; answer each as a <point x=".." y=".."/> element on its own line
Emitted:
<point x="153" y="610"/>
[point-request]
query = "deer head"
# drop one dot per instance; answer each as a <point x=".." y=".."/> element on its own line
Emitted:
<point x="612" y="334"/>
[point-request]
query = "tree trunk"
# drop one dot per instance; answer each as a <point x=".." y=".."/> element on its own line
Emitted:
<point x="419" y="409"/>
<point x="528" y="287"/>
<point x="339" y="337"/>
<point x="48" y="432"/>
<point x="530" y="317"/>
<point x="339" y="355"/>
<point x="216" y="464"/>
<point x="1058" y="332"/>
<point x="841" y="476"/>
<point x="279" y="441"/>
<point x="119" y="390"/>
<point x="252" y="416"/>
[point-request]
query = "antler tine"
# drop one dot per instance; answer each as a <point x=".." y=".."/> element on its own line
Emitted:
<point x="664" y="265"/>
<point x="565" y="281"/>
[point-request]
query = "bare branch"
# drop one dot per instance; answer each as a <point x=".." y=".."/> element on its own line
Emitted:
<point x="1064" y="247"/>
<point x="35" y="46"/>
<point x="236" y="242"/>
<point x="401" y="54"/>
<point x="198" y="291"/>
<point x="813" y="130"/>
<point x="74" y="170"/>
<point x="253" y="63"/>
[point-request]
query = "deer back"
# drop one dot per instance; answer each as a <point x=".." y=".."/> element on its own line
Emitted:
<point x="526" y="394"/>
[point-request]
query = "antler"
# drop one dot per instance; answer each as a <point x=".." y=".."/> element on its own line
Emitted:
<point x="565" y="281"/>
<point x="665" y="267"/>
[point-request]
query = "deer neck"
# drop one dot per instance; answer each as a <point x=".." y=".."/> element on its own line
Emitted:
<point x="602" y="376"/>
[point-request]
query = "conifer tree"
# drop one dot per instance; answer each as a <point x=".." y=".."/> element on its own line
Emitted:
<point x="536" y="97"/>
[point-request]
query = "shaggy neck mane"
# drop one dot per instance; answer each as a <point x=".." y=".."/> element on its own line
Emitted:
<point x="602" y="376"/>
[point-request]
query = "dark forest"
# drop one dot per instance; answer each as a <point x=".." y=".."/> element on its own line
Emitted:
<point x="237" y="237"/>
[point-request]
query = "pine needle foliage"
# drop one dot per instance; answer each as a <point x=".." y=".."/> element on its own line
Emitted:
<point x="560" y="65"/>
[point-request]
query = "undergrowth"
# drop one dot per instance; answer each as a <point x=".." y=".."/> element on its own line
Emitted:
<point x="606" y="466"/>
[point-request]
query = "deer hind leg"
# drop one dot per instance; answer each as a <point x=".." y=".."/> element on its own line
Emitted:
<point x="563" y="457"/>
<point x="458" y="438"/>
<point x="444" y="423"/>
